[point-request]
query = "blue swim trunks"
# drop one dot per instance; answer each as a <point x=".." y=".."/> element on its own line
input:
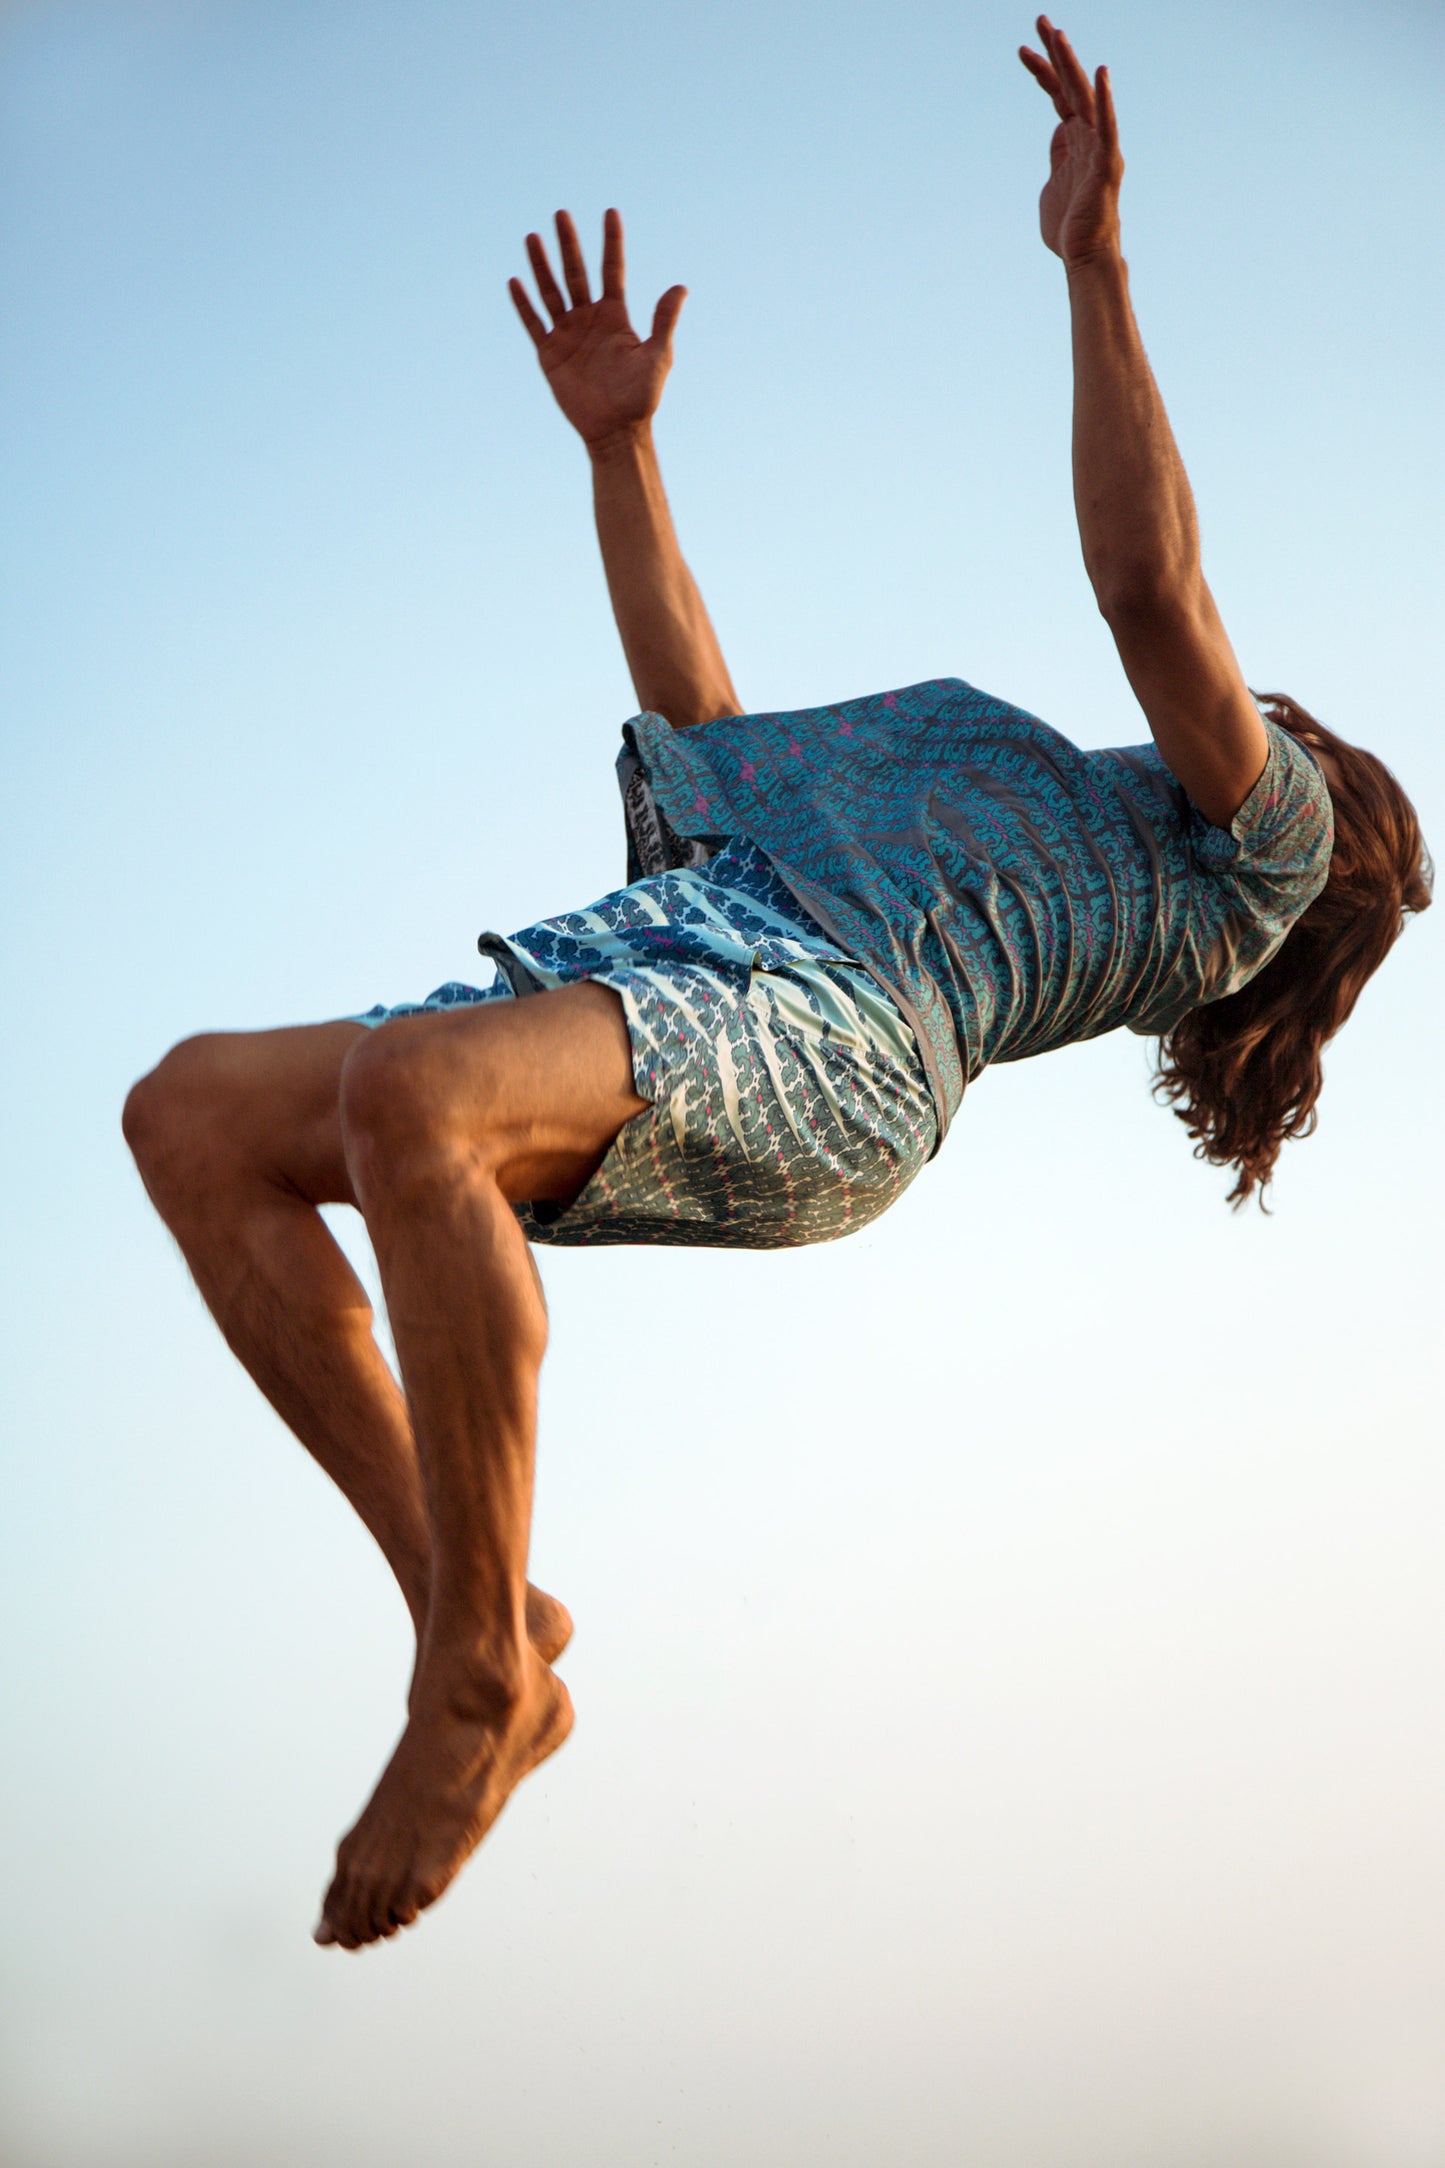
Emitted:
<point x="789" y="1103"/>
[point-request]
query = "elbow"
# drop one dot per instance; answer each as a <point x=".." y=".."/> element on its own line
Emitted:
<point x="1150" y="591"/>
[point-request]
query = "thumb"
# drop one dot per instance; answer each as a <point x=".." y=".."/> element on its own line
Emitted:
<point x="665" y="315"/>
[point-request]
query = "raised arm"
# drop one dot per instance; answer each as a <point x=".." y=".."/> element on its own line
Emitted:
<point x="608" y="383"/>
<point x="1135" y="509"/>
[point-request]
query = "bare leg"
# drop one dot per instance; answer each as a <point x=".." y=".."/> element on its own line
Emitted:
<point x="446" y="1119"/>
<point x="238" y="1138"/>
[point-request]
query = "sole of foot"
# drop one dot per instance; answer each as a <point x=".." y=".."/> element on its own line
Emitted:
<point x="450" y="1777"/>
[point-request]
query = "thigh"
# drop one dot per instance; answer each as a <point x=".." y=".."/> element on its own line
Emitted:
<point x="535" y="1088"/>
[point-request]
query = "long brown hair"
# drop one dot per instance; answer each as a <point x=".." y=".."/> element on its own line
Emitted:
<point x="1244" y="1073"/>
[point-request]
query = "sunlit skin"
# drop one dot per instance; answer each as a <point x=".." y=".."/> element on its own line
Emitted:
<point x="434" y="1125"/>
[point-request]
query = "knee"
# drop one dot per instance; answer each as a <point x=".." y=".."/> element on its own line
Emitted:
<point x="173" y="1118"/>
<point x="400" y="1115"/>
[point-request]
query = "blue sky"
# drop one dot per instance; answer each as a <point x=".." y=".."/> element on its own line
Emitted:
<point x="1008" y="1643"/>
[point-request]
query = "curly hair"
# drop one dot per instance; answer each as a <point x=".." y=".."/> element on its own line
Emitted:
<point x="1244" y="1073"/>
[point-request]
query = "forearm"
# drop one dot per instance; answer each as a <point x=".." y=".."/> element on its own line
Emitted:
<point x="1141" y="546"/>
<point x="672" y="651"/>
<point x="1135" y="508"/>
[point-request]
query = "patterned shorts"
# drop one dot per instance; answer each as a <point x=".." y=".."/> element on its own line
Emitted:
<point x="788" y="1100"/>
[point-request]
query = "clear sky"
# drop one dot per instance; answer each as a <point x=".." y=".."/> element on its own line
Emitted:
<point x="1009" y="1652"/>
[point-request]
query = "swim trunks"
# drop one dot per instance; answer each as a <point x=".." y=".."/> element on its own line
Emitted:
<point x="789" y="1103"/>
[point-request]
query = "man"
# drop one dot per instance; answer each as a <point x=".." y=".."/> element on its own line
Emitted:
<point x="823" y="1070"/>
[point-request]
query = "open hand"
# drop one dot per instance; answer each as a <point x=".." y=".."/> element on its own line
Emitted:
<point x="603" y="377"/>
<point x="1079" y="207"/>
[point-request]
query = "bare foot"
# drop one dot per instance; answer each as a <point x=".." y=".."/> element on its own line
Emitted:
<point x="457" y="1763"/>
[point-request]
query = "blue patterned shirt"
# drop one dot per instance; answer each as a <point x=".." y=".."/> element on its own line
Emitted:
<point x="1011" y="891"/>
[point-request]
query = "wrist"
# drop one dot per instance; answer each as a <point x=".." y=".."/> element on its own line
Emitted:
<point x="1106" y="260"/>
<point x="620" y="444"/>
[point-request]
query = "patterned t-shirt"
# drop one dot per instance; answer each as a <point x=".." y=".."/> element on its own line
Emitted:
<point x="1012" y="892"/>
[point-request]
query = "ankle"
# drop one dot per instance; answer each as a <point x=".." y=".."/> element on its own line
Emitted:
<point x="475" y="1680"/>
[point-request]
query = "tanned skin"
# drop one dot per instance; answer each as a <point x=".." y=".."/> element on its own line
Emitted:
<point x="1132" y="497"/>
<point x="608" y="383"/>
<point x="434" y="1125"/>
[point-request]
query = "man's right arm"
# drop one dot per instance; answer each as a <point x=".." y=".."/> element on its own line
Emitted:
<point x="608" y="383"/>
<point x="667" y="636"/>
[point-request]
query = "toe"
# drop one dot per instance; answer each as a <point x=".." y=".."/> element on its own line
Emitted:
<point x="404" y="1910"/>
<point x="338" y="1911"/>
<point x="367" y="1930"/>
<point x="377" y="1912"/>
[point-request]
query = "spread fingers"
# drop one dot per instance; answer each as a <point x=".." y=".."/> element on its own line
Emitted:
<point x="574" y="269"/>
<point x="547" y="285"/>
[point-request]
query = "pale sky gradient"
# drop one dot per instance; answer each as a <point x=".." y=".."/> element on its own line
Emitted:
<point x="1009" y="1657"/>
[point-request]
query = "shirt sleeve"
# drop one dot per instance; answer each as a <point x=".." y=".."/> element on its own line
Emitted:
<point x="1274" y="857"/>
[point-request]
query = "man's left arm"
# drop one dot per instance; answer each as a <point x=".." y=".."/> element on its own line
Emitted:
<point x="1135" y="508"/>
